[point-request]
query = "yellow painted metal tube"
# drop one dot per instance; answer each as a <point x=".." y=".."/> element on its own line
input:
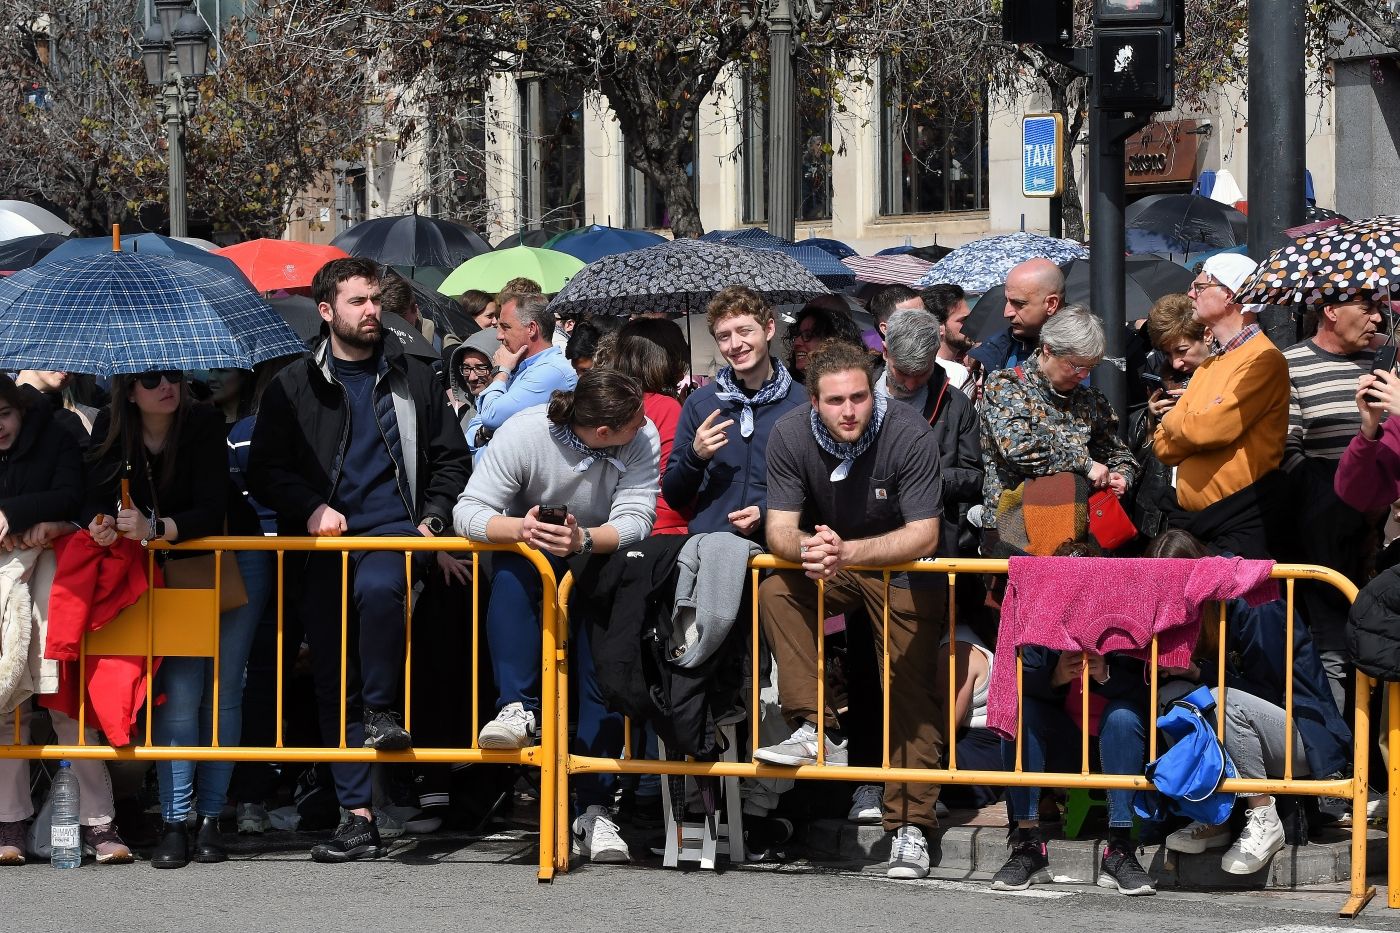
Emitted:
<point x="527" y="756"/>
<point x="554" y="704"/>
<point x="952" y="734"/>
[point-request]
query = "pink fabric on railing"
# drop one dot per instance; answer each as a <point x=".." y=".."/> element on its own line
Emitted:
<point x="1109" y="604"/>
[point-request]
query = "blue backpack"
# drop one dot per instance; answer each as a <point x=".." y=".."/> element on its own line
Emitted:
<point x="1188" y="775"/>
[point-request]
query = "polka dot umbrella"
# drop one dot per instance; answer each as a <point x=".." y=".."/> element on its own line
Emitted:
<point x="1330" y="266"/>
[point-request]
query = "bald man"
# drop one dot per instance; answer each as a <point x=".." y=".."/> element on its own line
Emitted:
<point x="1035" y="290"/>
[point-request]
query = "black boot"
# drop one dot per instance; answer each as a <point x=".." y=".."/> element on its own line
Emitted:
<point x="173" y="850"/>
<point x="209" y="843"/>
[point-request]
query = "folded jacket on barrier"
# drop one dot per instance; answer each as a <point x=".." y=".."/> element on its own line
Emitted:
<point x="92" y="585"/>
<point x="709" y="595"/>
<point x="26" y="576"/>
<point x="1104" y="604"/>
<point x="631" y="599"/>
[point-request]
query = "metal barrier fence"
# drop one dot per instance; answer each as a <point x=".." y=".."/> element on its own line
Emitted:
<point x="176" y="622"/>
<point x="1353" y="788"/>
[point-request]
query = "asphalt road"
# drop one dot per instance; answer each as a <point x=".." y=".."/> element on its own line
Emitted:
<point x="461" y="884"/>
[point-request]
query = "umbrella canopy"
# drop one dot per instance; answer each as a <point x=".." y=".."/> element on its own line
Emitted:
<point x="891" y="269"/>
<point x="23" y="252"/>
<point x="300" y="314"/>
<point x="930" y="254"/>
<point x="681" y="276"/>
<point x="1149" y="278"/>
<point x="491" y="271"/>
<point x="206" y="245"/>
<point x="132" y="313"/>
<point x="20" y="218"/>
<point x="834" y="247"/>
<point x="273" y="264"/>
<point x="411" y="240"/>
<point x="146" y="244"/>
<point x="537" y="238"/>
<point x="984" y="263"/>
<point x="1182" y="223"/>
<point x="596" y="241"/>
<point x="829" y="270"/>
<point x="744" y="236"/>
<point x="1331" y="266"/>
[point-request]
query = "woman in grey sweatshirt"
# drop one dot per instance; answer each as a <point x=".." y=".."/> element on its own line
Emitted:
<point x="592" y="452"/>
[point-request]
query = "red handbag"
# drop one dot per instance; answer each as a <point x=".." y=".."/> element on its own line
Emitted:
<point x="1108" y="523"/>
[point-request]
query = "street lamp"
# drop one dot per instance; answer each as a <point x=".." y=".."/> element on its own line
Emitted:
<point x="175" y="53"/>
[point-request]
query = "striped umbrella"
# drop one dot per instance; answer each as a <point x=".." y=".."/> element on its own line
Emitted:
<point x="897" y="269"/>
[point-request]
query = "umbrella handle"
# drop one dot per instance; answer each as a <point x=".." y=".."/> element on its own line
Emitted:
<point x="126" y="493"/>
<point x="116" y="238"/>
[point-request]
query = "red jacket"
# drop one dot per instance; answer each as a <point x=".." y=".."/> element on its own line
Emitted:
<point x="92" y="585"/>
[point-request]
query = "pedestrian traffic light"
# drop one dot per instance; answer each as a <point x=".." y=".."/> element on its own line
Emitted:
<point x="1133" y="45"/>
<point x="1039" y="22"/>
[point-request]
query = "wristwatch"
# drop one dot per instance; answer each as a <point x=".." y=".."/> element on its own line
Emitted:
<point x="434" y="524"/>
<point x="158" y="531"/>
<point x="587" y="546"/>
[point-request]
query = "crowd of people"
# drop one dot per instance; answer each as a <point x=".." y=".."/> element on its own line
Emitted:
<point x="591" y="442"/>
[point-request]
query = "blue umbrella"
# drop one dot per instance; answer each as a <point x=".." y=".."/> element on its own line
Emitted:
<point x="596" y="241"/>
<point x="745" y="236"/>
<point x="133" y="313"/>
<point x="146" y="244"/>
<point x="985" y="263"/>
<point x="834" y="247"/>
<point x="829" y="270"/>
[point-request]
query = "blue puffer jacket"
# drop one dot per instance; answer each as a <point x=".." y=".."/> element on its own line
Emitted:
<point x="737" y="476"/>
<point x="996" y="352"/>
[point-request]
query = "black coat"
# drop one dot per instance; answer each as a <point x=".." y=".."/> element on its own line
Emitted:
<point x="41" y="475"/>
<point x="303" y="427"/>
<point x="197" y="493"/>
<point x="953" y="419"/>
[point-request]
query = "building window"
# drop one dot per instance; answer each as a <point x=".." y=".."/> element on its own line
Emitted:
<point x="934" y="160"/>
<point x="813" y="145"/>
<point x="551" y="153"/>
<point x="646" y="205"/>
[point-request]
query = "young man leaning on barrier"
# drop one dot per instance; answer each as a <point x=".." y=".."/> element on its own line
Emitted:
<point x="357" y="439"/>
<point x="856" y="481"/>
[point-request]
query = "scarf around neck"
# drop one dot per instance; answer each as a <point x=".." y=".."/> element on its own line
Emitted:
<point x="774" y="390"/>
<point x="849" y="452"/>
<point x="566" y="436"/>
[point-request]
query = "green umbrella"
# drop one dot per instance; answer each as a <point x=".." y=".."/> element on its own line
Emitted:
<point x="489" y="272"/>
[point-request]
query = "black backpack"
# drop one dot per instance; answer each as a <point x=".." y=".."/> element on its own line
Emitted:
<point x="1373" y="627"/>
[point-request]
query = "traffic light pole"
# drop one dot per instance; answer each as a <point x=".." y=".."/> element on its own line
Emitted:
<point x="1277" y="135"/>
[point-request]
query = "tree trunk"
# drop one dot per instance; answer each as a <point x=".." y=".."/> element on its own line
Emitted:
<point x="1066" y="103"/>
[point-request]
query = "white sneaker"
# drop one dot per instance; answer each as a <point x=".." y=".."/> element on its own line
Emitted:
<point x="1377" y="807"/>
<point x="1262" y="837"/>
<point x="867" y="804"/>
<point x="800" y="748"/>
<point x="908" y="854"/>
<point x="1198" y="837"/>
<point x="513" y="727"/>
<point x="596" y="838"/>
<point x="253" y="819"/>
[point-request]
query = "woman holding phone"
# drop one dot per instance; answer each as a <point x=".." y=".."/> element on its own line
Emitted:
<point x="578" y="476"/>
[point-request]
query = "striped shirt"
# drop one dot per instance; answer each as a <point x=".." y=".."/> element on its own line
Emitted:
<point x="1322" y="415"/>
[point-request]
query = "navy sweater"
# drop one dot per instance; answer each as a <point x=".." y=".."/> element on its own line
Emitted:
<point x="368" y="492"/>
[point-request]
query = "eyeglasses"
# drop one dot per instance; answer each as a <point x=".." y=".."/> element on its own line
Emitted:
<point x="481" y="370"/>
<point x="152" y="379"/>
<point x="1198" y="287"/>
<point x="807" y="335"/>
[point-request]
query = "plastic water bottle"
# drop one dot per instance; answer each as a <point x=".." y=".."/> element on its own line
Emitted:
<point x="65" y="835"/>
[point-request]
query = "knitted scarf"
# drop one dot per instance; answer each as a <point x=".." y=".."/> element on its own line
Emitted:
<point x="774" y="390"/>
<point x="849" y="452"/>
<point x="566" y="436"/>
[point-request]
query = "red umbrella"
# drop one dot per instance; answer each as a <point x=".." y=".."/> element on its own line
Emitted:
<point x="275" y="264"/>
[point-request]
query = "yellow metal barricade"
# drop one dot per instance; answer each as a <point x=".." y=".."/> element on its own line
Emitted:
<point x="1353" y="788"/>
<point x="171" y="622"/>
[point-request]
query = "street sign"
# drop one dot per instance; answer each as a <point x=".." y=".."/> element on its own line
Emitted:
<point x="1042" y="160"/>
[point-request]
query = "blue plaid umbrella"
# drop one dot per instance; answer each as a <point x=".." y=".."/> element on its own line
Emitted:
<point x="985" y="263"/>
<point x="133" y="313"/>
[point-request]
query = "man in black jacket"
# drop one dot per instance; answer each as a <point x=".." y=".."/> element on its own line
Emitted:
<point x="355" y="439"/>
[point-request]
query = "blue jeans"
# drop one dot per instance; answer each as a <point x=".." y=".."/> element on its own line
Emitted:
<point x="1048" y="731"/>
<point x="186" y="716"/>
<point x="513" y="630"/>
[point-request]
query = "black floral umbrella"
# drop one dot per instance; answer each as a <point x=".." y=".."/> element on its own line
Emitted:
<point x="680" y="277"/>
<point x="1335" y="265"/>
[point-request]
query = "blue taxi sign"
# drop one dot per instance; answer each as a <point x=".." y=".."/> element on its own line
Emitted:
<point x="1042" y="161"/>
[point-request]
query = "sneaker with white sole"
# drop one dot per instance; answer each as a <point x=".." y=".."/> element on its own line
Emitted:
<point x="908" y="854"/>
<point x="1197" y="837"/>
<point x="253" y="819"/>
<point x="1120" y="870"/>
<point x="800" y="748"/>
<point x="596" y="838"/>
<point x="1261" y="838"/>
<point x="513" y="727"/>
<point x="867" y="804"/>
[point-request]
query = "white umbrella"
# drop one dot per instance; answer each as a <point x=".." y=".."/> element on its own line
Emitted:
<point x="20" y="218"/>
<point x="197" y="241"/>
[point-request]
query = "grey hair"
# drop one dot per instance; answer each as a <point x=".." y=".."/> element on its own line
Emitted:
<point x="1074" y="330"/>
<point x="912" y="336"/>
<point x="534" y="308"/>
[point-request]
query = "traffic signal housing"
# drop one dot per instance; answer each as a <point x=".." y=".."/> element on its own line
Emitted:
<point x="1134" y="42"/>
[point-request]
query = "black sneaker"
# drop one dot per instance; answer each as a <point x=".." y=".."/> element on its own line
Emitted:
<point x="1029" y="864"/>
<point x="354" y="839"/>
<point x="383" y="732"/>
<point x="1120" y="869"/>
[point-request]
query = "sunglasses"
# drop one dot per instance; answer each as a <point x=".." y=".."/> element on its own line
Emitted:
<point x="153" y="379"/>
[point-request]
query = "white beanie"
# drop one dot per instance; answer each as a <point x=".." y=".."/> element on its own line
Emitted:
<point x="1229" y="269"/>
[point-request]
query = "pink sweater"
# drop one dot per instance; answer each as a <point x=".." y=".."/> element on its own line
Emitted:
<point x="1108" y="604"/>
<point x="1368" y="478"/>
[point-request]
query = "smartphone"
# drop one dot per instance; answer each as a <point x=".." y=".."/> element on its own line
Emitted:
<point x="554" y="514"/>
<point x="1385" y="358"/>
<point x="1151" y="381"/>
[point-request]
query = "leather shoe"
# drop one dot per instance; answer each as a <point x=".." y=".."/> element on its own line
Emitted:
<point x="173" y="850"/>
<point x="209" y="842"/>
